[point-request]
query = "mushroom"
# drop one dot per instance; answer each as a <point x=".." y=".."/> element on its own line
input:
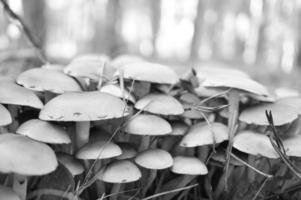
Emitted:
<point x="128" y="150"/>
<point x="170" y="140"/>
<point x="24" y="157"/>
<point x="117" y="172"/>
<point x="188" y="100"/>
<point x="44" y="132"/>
<point x="282" y="114"/>
<point x="48" y="81"/>
<point x="189" y="168"/>
<point x="153" y="159"/>
<point x="292" y="145"/>
<point x="82" y="108"/>
<point x="254" y="143"/>
<point x="15" y="95"/>
<point x="72" y="164"/>
<point x="161" y="104"/>
<point x="92" y="67"/>
<point x="117" y="91"/>
<point x="147" y="125"/>
<point x="203" y="134"/>
<point x="8" y="194"/>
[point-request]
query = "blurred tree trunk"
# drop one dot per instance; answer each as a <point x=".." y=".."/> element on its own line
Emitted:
<point x="35" y="19"/>
<point x="195" y="43"/>
<point x="156" y="19"/>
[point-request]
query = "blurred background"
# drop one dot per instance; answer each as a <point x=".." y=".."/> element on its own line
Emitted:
<point x="259" y="36"/>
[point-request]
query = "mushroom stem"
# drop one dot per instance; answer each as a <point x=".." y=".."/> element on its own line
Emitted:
<point x="13" y="109"/>
<point x="20" y="185"/>
<point x="151" y="177"/>
<point x="251" y="172"/>
<point x="175" y="183"/>
<point x="115" y="189"/>
<point x="145" y="141"/>
<point x="82" y="133"/>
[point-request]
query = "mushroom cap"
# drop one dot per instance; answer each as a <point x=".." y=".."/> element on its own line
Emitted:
<point x="98" y="150"/>
<point x="115" y="90"/>
<point x="189" y="100"/>
<point x="282" y="114"/>
<point x="240" y="83"/>
<point x="41" y="79"/>
<point x="202" y="134"/>
<point x="154" y="159"/>
<point x="7" y="193"/>
<point x="72" y="164"/>
<point x="254" y="143"/>
<point x="87" y="66"/>
<point x="128" y="150"/>
<point x="5" y="118"/>
<point x="189" y="166"/>
<point x="178" y="129"/>
<point x="292" y="145"/>
<point x="162" y="104"/>
<point x="11" y="93"/>
<point x="294" y="102"/>
<point x="44" y="132"/>
<point x="145" y="124"/>
<point x="84" y="106"/>
<point x="121" y="171"/>
<point x="222" y="157"/>
<point x="213" y="71"/>
<point x="21" y="155"/>
<point x="57" y="67"/>
<point x="149" y="72"/>
<point x="124" y="59"/>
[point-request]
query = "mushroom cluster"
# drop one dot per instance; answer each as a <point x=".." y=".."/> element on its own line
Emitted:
<point x="130" y="128"/>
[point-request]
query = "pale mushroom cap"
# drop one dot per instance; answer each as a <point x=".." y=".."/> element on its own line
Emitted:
<point x="41" y="79"/>
<point x="294" y="102"/>
<point x="44" y="132"/>
<point x="213" y="71"/>
<point x="19" y="154"/>
<point x="179" y="129"/>
<point x="202" y="134"/>
<point x="122" y="171"/>
<point x="241" y="83"/>
<point x="202" y="91"/>
<point x="162" y="104"/>
<point x="189" y="166"/>
<point x="144" y="124"/>
<point x="124" y="59"/>
<point x="282" y="114"/>
<point x="87" y="66"/>
<point x="255" y="144"/>
<point x="5" y="118"/>
<point x="116" y="91"/>
<point x="11" y="93"/>
<point x="7" y="193"/>
<point x="149" y="72"/>
<point x="98" y="150"/>
<point x="292" y="145"/>
<point x="154" y="159"/>
<point x="72" y="164"/>
<point x="128" y="150"/>
<point x="85" y="106"/>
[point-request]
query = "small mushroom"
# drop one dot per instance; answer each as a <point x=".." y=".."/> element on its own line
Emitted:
<point x="44" y="132"/>
<point x="161" y="104"/>
<point x="117" y="172"/>
<point x="24" y="157"/>
<point x="128" y="150"/>
<point x="72" y="164"/>
<point x="147" y="125"/>
<point x="117" y="91"/>
<point x="5" y="118"/>
<point x="153" y="159"/>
